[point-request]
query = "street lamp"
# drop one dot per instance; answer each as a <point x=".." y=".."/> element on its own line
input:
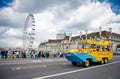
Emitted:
<point x="86" y="33"/>
<point x="110" y="37"/>
<point x="80" y="35"/>
<point x="100" y="31"/>
<point x="110" y="29"/>
<point x="69" y="41"/>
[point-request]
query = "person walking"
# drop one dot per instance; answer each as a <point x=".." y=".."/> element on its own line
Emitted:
<point x="47" y="54"/>
<point x="13" y="53"/>
<point x="6" y="54"/>
<point x="2" y="54"/>
<point x="17" y="54"/>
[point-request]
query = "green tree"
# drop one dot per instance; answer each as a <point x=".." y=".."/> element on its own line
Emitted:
<point x="118" y="46"/>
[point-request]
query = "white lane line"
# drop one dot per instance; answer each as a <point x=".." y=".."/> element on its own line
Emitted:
<point x="28" y="67"/>
<point x="44" y="65"/>
<point x="18" y="68"/>
<point x="64" y="64"/>
<point x="69" y="72"/>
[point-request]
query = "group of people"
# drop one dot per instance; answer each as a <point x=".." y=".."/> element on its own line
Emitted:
<point x="31" y="54"/>
<point x="35" y="54"/>
<point x="4" y="53"/>
<point x="58" y="54"/>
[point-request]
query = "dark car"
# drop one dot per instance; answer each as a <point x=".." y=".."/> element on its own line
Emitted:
<point x="117" y="52"/>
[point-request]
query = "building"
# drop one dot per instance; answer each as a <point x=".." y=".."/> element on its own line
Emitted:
<point x="60" y="36"/>
<point x="69" y="42"/>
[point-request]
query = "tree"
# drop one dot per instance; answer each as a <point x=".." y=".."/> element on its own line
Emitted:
<point x="118" y="46"/>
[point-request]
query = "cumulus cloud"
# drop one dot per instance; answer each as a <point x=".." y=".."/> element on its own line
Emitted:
<point x="54" y="16"/>
<point x="36" y="6"/>
<point x="10" y="42"/>
<point x="11" y="37"/>
<point x="92" y="16"/>
<point x="10" y="18"/>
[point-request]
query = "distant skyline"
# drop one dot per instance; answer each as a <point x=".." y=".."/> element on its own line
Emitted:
<point x="56" y="16"/>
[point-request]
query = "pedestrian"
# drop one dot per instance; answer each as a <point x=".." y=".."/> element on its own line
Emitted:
<point x="39" y="54"/>
<point x="31" y="54"/>
<point x="2" y="54"/>
<point x="24" y="54"/>
<point x="13" y="53"/>
<point x="36" y="54"/>
<point x="17" y="54"/>
<point x="43" y="55"/>
<point x="6" y="54"/>
<point x="47" y="54"/>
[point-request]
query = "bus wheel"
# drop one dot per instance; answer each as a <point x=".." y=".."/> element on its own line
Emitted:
<point x="87" y="63"/>
<point x="74" y="63"/>
<point x="102" y="61"/>
<point x="105" y="60"/>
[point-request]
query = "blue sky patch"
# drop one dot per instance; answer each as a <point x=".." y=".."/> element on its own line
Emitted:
<point x="115" y="5"/>
<point x="5" y="3"/>
<point x="3" y="31"/>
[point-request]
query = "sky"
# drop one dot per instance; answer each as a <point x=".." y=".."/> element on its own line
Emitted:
<point x="56" y="16"/>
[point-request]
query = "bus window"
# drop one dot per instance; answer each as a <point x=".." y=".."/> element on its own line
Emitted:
<point x="93" y="46"/>
<point x="86" y="45"/>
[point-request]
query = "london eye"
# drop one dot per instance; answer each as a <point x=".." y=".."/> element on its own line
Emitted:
<point x="29" y="32"/>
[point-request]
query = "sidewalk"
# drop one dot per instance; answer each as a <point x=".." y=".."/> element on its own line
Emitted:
<point x="56" y="58"/>
<point x="28" y="60"/>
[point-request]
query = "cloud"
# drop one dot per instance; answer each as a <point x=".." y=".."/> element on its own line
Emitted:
<point x="10" y="42"/>
<point x="54" y="16"/>
<point x="92" y="16"/>
<point x="10" y="18"/>
<point x="35" y="6"/>
<point x="11" y="37"/>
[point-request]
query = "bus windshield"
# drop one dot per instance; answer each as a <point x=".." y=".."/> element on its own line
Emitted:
<point x="87" y="46"/>
<point x="84" y="45"/>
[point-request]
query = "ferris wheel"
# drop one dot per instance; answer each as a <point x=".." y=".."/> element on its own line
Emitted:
<point x="28" y="32"/>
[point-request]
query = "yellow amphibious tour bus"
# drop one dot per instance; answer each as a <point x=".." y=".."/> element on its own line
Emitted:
<point x="89" y="51"/>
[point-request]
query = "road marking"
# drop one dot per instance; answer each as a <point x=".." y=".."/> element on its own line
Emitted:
<point x="63" y="63"/>
<point x="69" y="72"/>
<point x="44" y="65"/>
<point x="28" y="67"/>
<point x="18" y="68"/>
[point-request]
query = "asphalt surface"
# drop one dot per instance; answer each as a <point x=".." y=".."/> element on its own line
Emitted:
<point x="57" y="68"/>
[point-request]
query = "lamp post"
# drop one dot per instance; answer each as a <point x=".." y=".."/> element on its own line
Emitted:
<point x="110" y="29"/>
<point x="86" y="33"/>
<point x="80" y="35"/>
<point x="69" y="40"/>
<point x="100" y="31"/>
<point x="110" y="38"/>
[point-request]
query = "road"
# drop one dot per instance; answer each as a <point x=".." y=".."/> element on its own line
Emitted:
<point x="57" y="68"/>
